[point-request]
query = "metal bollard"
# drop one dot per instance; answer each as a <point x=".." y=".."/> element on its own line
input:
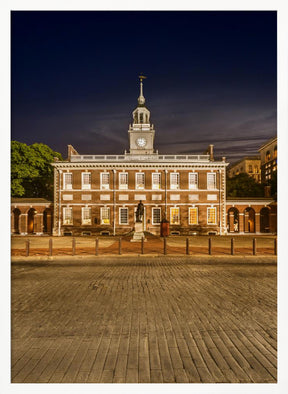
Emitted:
<point x="254" y="247"/>
<point x="120" y="246"/>
<point x="27" y="247"/>
<point x="50" y="247"/>
<point x="73" y="247"/>
<point x="275" y="246"/>
<point x="210" y="246"/>
<point x="96" y="246"/>
<point x="187" y="246"/>
<point x="142" y="245"/>
<point x="165" y="245"/>
<point x="232" y="246"/>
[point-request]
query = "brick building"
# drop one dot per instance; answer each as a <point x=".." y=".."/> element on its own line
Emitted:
<point x="99" y="194"/>
<point x="31" y="216"/>
<point x="251" y="215"/>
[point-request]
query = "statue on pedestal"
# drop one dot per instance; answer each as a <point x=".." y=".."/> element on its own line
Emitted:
<point x="140" y="212"/>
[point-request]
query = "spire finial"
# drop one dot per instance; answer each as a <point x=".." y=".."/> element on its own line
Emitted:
<point x="141" y="98"/>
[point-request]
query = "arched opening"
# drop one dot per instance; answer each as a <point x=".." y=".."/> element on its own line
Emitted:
<point x="264" y="220"/>
<point x="47" y="221"/>
<point x="30" y="221"/>
<point x="16" y="221"/>
<point x="233" y="220"/>
<point x="249" y="220"/>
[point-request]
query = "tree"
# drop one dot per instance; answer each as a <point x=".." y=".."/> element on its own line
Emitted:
<point x="243" y="185"/>
<point x="31" y="172"/>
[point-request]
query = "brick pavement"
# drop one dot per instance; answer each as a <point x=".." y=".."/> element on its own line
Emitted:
<point x="142" y="320"/>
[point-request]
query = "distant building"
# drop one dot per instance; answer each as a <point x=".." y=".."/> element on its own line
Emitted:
<point x="250" y="165"/>
<point x="268" y="154"/>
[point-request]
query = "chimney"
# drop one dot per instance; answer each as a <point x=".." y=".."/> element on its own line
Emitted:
<point x="211" y="152"/>
<point x="71" y="151"/>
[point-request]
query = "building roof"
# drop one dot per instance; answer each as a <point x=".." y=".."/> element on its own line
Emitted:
<point x="244" y="158"/>
<point x="263" y="146"/>
<point x="31" y="201"/>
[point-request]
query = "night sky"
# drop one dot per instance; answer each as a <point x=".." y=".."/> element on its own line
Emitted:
<point x="211" y="79"/>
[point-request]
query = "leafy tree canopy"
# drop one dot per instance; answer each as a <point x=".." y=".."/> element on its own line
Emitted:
<point x="243" y="185"/>
<point x="31" y="172"/>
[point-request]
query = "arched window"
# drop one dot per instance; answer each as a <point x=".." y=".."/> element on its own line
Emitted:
<point x="268" y="155"/>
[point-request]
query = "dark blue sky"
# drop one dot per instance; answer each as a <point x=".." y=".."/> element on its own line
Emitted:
<point x="212" y="79"/>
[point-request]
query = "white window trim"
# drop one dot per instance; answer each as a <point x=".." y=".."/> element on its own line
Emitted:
<point x="156" y="186"/>
<point x="125" y="186"/>
<point x="174" y="186"/>
<point x="104" y="186"/>
<point x="71" y="210"/>
<point x="212" y="224"/>
<point x="121" y="223"/>
<point x="153" y="223"/>
<point x="68" y="186"/>
<point x="176" y="224"/>
<point x="215" y="183"/>
<point x="101" y="220"/>
<point x="193" y="186"/>
<point x="85" y="186"/>
<point x="136" y="185"/>
<point x="82" y="216"/>
<point x="193" y="224"/>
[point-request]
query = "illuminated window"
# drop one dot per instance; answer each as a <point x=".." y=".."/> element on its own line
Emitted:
<point x="86" y="180"/>
<point x="211" y="181"/>
<point x="175" y="215"/>
<point x="123" y="215"/>
<point x="193" y="180"/>
<point x="105" y="215"/>
<point x="140" y="180"/>
<point x="193" y="215"/>
<point x="123" y="180"/>
<point x="156" y="180"/>
<point x="67" y="181"/>
<point x="211" y="215"/>
<point x="268" y="155"/>
<point x="256" y="169"/>
<point x="156" y="215"/>
<point x="105" y="180"/>
<point x="275" y="152"/>
<point x="174" y="180"/>
<point x="86" y="215"/>
<point x="67" y="216"/>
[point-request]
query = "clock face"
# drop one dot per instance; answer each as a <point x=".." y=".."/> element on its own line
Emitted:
<point x="141" y="142"/>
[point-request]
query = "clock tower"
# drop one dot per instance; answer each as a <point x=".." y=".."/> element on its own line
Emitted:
<point x="141" y="132"/>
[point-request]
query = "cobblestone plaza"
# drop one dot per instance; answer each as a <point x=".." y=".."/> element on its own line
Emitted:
<point x="144" y="320"/>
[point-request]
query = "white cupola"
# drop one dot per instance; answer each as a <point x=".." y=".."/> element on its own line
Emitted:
<point x="141" y="133"/>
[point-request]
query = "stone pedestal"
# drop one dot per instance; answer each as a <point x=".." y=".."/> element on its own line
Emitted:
<point x="138" y="233"/>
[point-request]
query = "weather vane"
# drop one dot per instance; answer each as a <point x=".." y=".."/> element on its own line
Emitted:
<point x="142" y="77"/>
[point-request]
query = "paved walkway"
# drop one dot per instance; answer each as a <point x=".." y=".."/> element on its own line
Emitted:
<point x="158" y="320"/>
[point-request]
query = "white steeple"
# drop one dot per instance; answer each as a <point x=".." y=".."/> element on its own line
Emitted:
<point x="141" y="133"/>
